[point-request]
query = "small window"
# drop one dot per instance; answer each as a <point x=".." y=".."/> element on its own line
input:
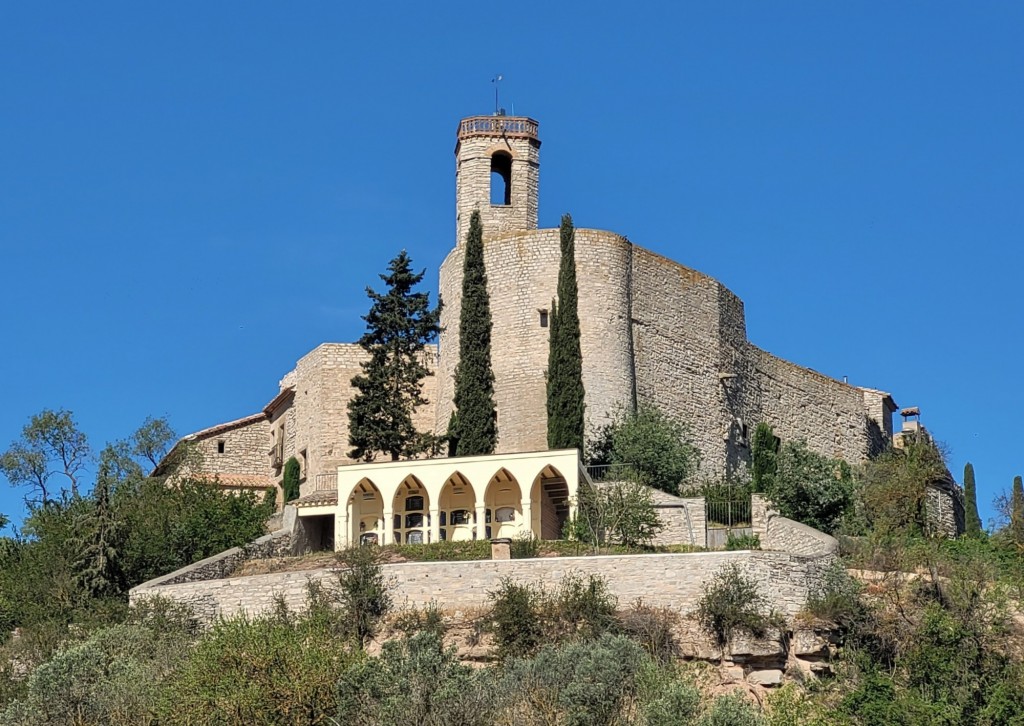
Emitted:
<point x="414" y="537"/>
<point x="414" y="504"/>
<point x="398" y="521"/>
<point x="398" y="538"/>
<point x="443" y="518"/>
<point x="543" y="318"/>
<point x="368" y="539"/>
<point x="460" y="516"/>
<point x="505" y="514"/>
<point x="501" y="179"/>
<point x="444" y="534"/>
<point x="220" y="446"/>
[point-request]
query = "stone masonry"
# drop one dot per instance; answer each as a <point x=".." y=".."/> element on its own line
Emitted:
<point x="652" y="332"/>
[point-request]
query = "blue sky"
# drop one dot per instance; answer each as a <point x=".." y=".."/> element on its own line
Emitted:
<point x="193" y="195"/>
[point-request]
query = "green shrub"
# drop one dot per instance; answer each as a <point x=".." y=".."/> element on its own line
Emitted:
<point x="732" y="709"/>
<point x="415" y="620"/>
<point x="444" y="551"/>
<point x="743" y="541"/>
<point x="732" y="602"/>
<point x="581" y="608"/>
<point x="576" y="684"/>
<point x="675" y="704"/>
<point x="837" y="600"/>
<point x="416" y="681"/>
<point x="811" y="488"/>
<point x="279" y="669"/>
<point x="362" y="592"/>
<point x="515" y="618"/>
<point x="525" y="546"/>
<point x="113" y="677"/>
<point x="652" y="628"/>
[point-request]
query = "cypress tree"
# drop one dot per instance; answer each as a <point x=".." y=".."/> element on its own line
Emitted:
<point x="474" y="426"/>
<point x="763" y="457"/>
<point x="565" y="394"/>
<point x="1017" y="512"/>
<point x="290" y="482"/>
<point x="98" y="539"/>
<point x="399" y="325"/>
<point x="972" y="522"/>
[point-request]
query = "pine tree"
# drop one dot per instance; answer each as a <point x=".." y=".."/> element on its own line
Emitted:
<point x="290" y="481"/>
<point x="475" y="425"/>
<point x="399" y="325"/>
<point x="1017" y="512"/>
<point x="763" y="457"/>
<point x="565" y="394"/>
<point x="96" y="563"/>
<point x="972" y="522"/>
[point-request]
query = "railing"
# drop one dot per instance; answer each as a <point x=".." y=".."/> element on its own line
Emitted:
<point x="277" y="455"/>
<point x="612" y="472"/>
<point x="511" y="126"/>
<point x="323" y="482"/>
<point x="728" y="514"/>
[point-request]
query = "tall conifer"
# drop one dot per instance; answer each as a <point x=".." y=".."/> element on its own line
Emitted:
<point x="399" y="325"/>
<point x="565" y="394"/>
<point x="972" y="522"/>
<point x="1017" y="512"/>
<point x="764" y="457"/>
<point x="474" y="428"/>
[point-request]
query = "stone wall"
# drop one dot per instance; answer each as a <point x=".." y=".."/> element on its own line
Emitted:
<point x="473" y="184"/>
<point x="522" y="272"/>
<point x="668" y="580"/>
<point x="684" y="520"/>
<point x="944" y="504"/>
<point x="246" y="449"/>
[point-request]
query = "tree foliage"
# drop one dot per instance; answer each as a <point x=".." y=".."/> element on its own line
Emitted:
<point x="655" y="446"/>
<point x="399" y="325"/>
<point x="565" y="394"/>
<point x="290" y="480"/>
<point x="475" y="428"/>
<point x="809" y="487"/>
<point x="894" y="486"/>
<point x="51" y="444"/>
<point x="972" y="521"/>
<point x="763" y="457"/>
<point x="615" y="513"/>
<point x="1016" y="529"/>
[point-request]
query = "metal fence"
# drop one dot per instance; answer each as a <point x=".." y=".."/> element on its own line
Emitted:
<point x="612" y="472"/>
<point x="732" y="514"/>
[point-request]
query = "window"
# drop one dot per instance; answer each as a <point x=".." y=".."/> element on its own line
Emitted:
<point x="505" y="514"/>
<point x="443" y="518"/>
<point x="368" y="539"/>
<point x="413" y="520"/>
<point x="398" y="521"/>
<point x="414" y="504"/>
<point x="460" y="516"/>
<point x="220" y="446"/>
<point x="444" y="534"/>
<point x="501" y="179"/>
<point x="414" y="537"/>
<point x="543" y="318"/>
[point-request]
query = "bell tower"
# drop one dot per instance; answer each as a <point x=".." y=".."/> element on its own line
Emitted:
<point x="497" y="170"/>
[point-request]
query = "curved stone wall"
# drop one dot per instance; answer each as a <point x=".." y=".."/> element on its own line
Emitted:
<point x="522" y="275"/>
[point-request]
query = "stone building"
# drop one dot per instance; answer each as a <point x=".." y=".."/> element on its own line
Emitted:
<point x="652" y="332"/>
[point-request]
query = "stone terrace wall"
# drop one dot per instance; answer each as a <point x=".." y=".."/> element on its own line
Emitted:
<point x="669" y="580"/>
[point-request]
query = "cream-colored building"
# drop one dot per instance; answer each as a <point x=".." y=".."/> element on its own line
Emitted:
<point x="456" y="499"/>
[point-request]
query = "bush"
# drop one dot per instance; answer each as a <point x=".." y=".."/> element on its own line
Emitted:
<point x="743" y="541"/>
<point x="810" y="488"/>
<point x="113" y="677"/>
<point x="732" y="602"/>
<point x="290" y="481"/>
<point x="577" y="684"/>
<point x="279" y="669"/>
<point x="658" y="447"/>
<point x="894" y="486"/>
<point x="524" y="616"/>
<point x="362" y="592"/>
<point x="652" y="628"/>
<point x="838" y="598"/>
<point x="524" y="547"/>
<point x="416" y="681"/>
<point x="732" y="709"/>
<point x="443" y="551"/>
<point x="515" y="618"/>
